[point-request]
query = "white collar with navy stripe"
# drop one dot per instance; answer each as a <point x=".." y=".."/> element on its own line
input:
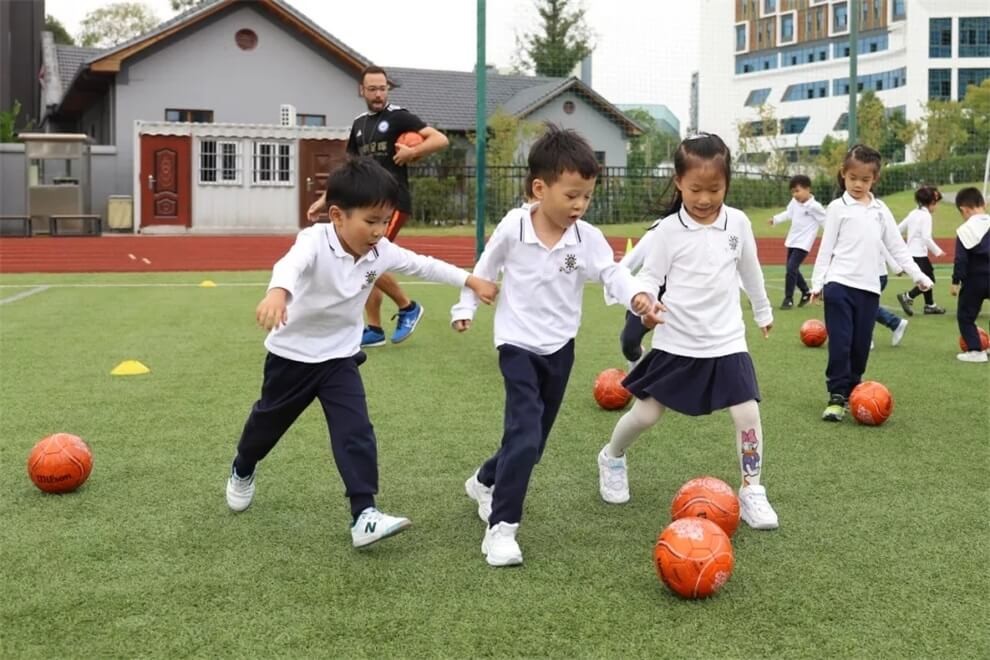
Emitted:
<point x="337" y="248"/>
<point x="689" y="223"/>
<point x="848" y="200"/>
<point x="527" y="234"/>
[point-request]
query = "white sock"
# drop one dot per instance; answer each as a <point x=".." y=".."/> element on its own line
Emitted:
<point x="749" y="441"/>
<point x="644" y="414"/>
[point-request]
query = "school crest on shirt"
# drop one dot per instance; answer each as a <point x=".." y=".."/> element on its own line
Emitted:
<point x="570" y="264"/>
<point x="369" y="278"/>
<point x="733" y="242"/>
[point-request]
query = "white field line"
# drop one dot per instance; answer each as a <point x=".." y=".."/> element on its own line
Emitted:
<point x="38" y="288"/>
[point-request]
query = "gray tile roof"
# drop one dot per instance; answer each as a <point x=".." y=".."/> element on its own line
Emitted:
<point x="453" y="108"/>
<point x="70" y="59"/>
<point x="447" y="99"/>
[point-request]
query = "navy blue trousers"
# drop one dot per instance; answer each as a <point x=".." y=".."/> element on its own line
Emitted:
<point x="849" y="316"/>
<point x="793" y="277"/>
<point x="288" y="389"/>
<point x="971" y="296"/>
<point x="534" y="389"/>
<point x="631" y="337"/>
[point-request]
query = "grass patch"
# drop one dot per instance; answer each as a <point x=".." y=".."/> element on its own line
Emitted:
<point x="882" y="550"/>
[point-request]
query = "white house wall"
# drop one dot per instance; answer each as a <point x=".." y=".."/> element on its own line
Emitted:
<point x="204" y="69"/>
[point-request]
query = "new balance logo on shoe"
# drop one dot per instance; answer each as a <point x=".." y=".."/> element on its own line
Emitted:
<point x="370" y="528"/>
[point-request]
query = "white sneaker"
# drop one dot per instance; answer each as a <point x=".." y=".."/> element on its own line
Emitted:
<point x="755" y="509"/>
<point x="899" y="331"/>
<point x="373" y="525"/>
<point x="481" y="494"/>
<point x="613" y="479"/>
<point x="871" y="345"/>
<point x="500" y="547"/>
<point x="240" y="491"/>
<point x="972" y="356"/>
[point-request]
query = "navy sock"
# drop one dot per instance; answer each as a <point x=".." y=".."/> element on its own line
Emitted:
<point x="408" y="308"/>
<point x="376" y="328"/>
<point x="242" y="468"/>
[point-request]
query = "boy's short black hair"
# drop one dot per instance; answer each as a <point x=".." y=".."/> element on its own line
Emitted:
<point x="561" y="150"/>
<point x="361" y="183"/>
<point x="970" y="197"/>
<point x="801" y="180"/>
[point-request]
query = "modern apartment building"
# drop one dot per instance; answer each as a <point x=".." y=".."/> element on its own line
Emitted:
<point x="794" y="55"/>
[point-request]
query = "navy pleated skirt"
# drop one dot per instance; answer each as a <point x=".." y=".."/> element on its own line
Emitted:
<point x="694" y="386"/>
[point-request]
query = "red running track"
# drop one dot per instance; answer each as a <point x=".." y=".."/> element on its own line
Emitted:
<point x="129" y="253"/>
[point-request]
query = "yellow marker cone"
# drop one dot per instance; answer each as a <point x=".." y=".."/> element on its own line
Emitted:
<point x="207" y="284"/>
<point x="629" y="245"/>
<point x="130" y="368"/>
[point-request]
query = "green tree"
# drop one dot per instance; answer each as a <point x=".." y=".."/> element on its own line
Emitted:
<point x="760" y="142"/>
<point x="871" y="117"/>
<point x="58" y="31"/>
<point x="562" y="40"/>
<point x="833" y="152"/>
<point x="115" y="23"/>
<point x="654" y="146"/>
<point x="976" y="113"/>
<point x="183" y="5"/>
<point x="941" y="131"/>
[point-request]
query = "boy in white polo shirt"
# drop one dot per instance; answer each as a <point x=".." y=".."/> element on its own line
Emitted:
<point x="313" y="309"/>
<point x="806" y="216"/>
<point x="546" y="253"/>
<point x="847" y="273"/>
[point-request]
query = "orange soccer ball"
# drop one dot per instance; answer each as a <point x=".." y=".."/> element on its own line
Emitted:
<point x="60" y="463"/>
<point x="609" y="392"/>
<point x="410" y="139"/>
<point x="813" y="333"/>
<point x="693" y="557"/>
<point x="708" y="498"/>
<point x="871" y="403"/>
<point x="984" y="341"/>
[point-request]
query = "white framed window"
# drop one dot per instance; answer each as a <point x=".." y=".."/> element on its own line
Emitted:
<point x="272" y="164"/>
<point x="220" y="162"/>
<point x="742" y="37"/>
<point x="787" y="27"/>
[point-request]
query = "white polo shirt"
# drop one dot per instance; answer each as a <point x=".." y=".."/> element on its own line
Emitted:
<point x="918" y="225"/>
<point x="703" y="267"/>
<point x="539" y="305"/>
<point x="805" y="219"/>
<point x="328" y="288"/>
<point x="633" y="260"/>
<point x="851" y="242"/>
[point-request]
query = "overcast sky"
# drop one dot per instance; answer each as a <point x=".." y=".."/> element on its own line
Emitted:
<point x="645" y="50"/>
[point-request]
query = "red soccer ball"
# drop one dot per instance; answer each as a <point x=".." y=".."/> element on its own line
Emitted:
<point x="609" y="392"/>
<point x="708" y="498"/>
<point x="871" y="403"/>
<point x="60" y="463"/>
<point x="813" y="333"/>
<point x="984" y="341"/>
<point x="693" y="557"/>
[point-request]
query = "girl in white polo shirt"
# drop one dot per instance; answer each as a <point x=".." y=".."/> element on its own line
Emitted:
<point x="313" y="310"/>
<point x="847" y="273"/>
<point x="918" y="227"/>
<point x="699" y="361"/>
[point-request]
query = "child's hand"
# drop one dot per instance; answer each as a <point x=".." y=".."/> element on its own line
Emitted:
<point x="770" y="222"/>
<point x="485" y="290"/>
<point x="462" y="324"/>
<point x="954" y="290"/>
<point x="815" y="297"/>
<point x="641" y="303"/>
<point x="766" y="330"/>
<point x="271" y="310"/>
<point x="653" y="318"/>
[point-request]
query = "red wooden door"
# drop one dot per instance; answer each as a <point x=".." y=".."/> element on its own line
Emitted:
<point x="166" y="178"/>
<point x="317" y="158"/>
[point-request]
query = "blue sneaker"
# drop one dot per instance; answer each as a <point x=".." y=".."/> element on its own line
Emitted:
<point x="407" y="323"/>
<point x="372" y="338"/>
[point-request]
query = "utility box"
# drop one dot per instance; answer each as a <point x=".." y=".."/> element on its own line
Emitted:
<point x="120" y="212"/>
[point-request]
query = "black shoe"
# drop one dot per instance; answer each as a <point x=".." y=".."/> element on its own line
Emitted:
<point x="787" y="304"/>
<point x="934" y="309"/>
<point x="907" y="304"/>
<point x="805" y="299"/>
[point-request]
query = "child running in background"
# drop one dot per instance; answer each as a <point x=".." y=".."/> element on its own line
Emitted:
<point x="699" y="362"/>
<point x="633" y="331"/>
<point x="918" y="227"/>
<point x="971" y="273"/>
<point x="885" y="317"/>
<point x="806" y="216"/>
<point x="847" y="273"/>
